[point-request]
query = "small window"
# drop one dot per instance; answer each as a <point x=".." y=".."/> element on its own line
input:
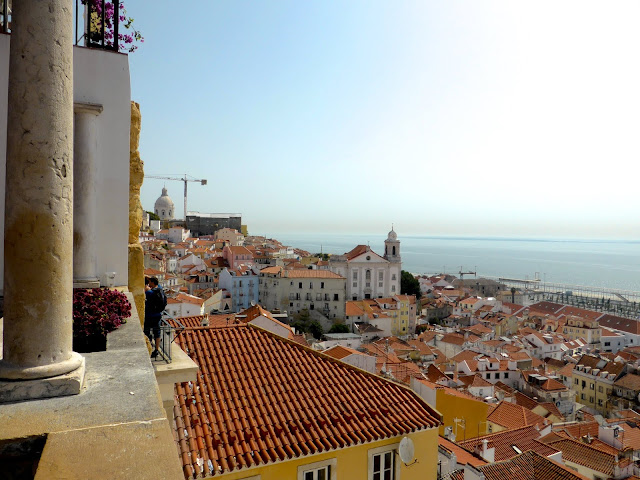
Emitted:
<point x="497" y="375"/>
<point x="355" y="275"/>
<point x="325" y="470"/>
<point x="335" y="297"/>
<point x="506" y="375"/>
<point x="382" y="464"/>
<point x="321" y="284"/>
<point x="300" y="285"/>
<point x="393" y="277"/>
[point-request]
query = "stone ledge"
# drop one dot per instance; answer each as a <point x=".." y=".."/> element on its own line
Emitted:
<point x="140" y="450"/>
<point x="87" y="284"/>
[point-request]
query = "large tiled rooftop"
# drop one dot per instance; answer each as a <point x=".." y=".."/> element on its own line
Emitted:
<point x="261" y="398"/>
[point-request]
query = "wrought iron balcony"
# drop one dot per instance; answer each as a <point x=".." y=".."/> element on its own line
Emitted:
<point x="97" y="24"/>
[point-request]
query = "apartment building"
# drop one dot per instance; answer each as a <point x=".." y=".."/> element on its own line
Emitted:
<point x="299" y="289"/>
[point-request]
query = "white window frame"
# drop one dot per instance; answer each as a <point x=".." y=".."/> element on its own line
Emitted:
<point x="331" y="462"/>
<point x="393" y="448"/>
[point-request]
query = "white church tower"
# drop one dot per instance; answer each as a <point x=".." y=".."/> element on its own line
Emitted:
<point x="392" y="247"/>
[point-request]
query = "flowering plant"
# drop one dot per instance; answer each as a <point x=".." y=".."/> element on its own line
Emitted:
<point x="125" y="40"/>
<point x="98" y="311"/>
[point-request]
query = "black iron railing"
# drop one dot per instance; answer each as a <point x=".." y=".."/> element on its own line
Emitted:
<point x="97" y="24"/>
<point x="169" y="331"/>
<point x="5" y="16"/>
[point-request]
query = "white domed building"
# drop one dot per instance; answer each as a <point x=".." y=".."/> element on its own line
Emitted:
<point x="164" y="207"/>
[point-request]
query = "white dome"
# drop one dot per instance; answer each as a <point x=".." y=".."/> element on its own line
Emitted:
<point x="164" y="207"/>
<point x="393" y="236"/>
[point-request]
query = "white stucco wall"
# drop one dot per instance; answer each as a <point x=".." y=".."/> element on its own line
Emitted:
<point x="100" y="77"/>
<point x="103" y="77"/>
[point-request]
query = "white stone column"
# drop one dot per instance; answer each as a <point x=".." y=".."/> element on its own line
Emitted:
<point x="85" y="144"/>
<point x="38" y="229"/>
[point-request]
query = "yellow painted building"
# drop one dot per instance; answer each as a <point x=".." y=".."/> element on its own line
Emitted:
<point x="462" y="415"/>
<point x="592" y="382"/>
<point x="587" y="329"/>
<point x="353" y="463"/>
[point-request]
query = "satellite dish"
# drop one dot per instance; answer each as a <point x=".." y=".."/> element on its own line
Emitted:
<point x="406" y="450"/>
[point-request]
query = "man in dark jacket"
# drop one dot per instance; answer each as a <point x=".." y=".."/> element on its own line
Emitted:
<point x="155" y="302"/>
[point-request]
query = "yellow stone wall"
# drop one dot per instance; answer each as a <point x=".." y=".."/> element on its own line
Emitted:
<point x="473" y="412"/>
<point x="352" y="462"/>
<point x="136" y="177"/>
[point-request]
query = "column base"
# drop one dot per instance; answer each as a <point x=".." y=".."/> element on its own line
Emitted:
<point x="88" y="283"/>
<point x="62" y="385"/>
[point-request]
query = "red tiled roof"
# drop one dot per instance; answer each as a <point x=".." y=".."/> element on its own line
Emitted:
<point x="260" y="398"/>
<point x="510" y="416"/>
<point x="463" y="457"/>
<point x="620" y="323"/>
<point x="586" y="455"/>
<point x="221" y="320"/>
<point x="529" y="466"/>
<point x="504" y="441"/>
<point x="578" y="430"/>
<point x="356" y="251"/>
<point x="525" y="401"/>
<point x="339" y="352"/>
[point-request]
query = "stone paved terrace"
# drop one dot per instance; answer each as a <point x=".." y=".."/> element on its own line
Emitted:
<point x="115" y="428"/>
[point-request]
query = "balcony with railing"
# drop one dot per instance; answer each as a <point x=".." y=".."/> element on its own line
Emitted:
<point x="99" y="24"/>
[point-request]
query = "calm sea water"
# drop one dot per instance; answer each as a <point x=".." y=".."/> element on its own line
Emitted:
<point x="611" y="264"/>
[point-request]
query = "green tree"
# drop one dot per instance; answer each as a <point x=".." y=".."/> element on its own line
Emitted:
<point x="339" y="328"/>
<point x="316" y="329"/>
<point x="153" y="216"/>
<point x="409" y="285"/>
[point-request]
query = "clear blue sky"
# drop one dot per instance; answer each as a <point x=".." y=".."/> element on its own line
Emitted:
<point x="494" y="118"/>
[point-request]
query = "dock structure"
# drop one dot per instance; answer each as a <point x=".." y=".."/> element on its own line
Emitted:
<point x="623" y="303"/>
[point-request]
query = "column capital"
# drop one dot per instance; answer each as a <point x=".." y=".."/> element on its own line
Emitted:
<point x="85" y="107"/>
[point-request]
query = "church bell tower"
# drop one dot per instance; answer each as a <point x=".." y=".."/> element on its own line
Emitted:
<point x="392" y="247"/>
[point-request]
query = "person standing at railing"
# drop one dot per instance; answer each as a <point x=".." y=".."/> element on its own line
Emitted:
<point x="155" y="303"/>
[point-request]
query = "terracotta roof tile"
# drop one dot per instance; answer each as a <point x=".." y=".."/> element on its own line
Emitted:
<point x="503" y="441"/>
<point x="260" y="398"/>
<point x="463" y="457"/>
<point x="579" y="429"/>
<point x="529" y="466"/>
<point x="339" y="352"/>
<point x="511" y="416"/>
<point x="586" y="455"/>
